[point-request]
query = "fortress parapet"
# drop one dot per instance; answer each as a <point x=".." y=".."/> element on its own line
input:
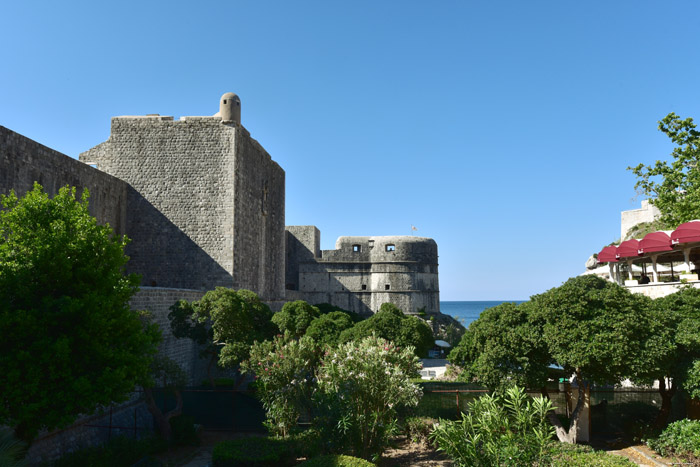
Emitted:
<point x="361" y="273"/>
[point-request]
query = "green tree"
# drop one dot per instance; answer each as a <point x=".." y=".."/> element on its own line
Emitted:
<point x="593" y="329"/>
<point x="504" y="346"/>
<point x="295" y="317"/>
<point x="391" y="324"/>
<point x="326" y="329"/>
<point x="671" y="347"/>
<point x="225" y="323"/>
<point x="674" y="188"/>
<point x="168" y="375"/>
<point x="70" y="342"/>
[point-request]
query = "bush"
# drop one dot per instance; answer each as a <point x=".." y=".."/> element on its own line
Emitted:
<point x="252" y="452"/>
<point x="284" y="370"/>
<point x="498" y="430"/>
<point x="361" y="385"/>
<point x="418" y="429"/>
<point x="333" y="460"/>
<point x="681" y="438"/>
<point x="117" y="452"/>
<point x="573" y="455"/>
<point x="12" y="450"/>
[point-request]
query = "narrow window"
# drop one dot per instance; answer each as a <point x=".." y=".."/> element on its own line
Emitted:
<point x="224" y="101"/>
<point x="357" y="248"/>
<point x="390" y="247"/>
<point x="387" y="287"/>
<point x="364" y="286"/>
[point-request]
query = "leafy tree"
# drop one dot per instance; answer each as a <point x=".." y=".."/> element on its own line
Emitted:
<point x="225" y="323"/>
<point x="70" y="342"/>
<point x="284" y="370"/>
<point x="325" y="308"/>
<point x="295" y="317"/>
<point x="674" y="188"/>
<point x="504" y="347"/>
<point x="326" y="329"/>
<point x="594" y="329"/>
<point x="391" y="324"/>
<point x="671" y="347"/>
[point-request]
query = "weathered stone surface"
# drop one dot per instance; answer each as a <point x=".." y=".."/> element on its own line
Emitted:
<point x="24" y="161"/>
<point x="362" y="273"/>
<point x="206" y="203"/>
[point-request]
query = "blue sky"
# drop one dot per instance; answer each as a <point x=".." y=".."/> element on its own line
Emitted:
<point x="501" y="129"/>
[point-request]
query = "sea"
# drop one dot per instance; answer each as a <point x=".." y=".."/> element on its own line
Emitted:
<point x="466" y="312"/>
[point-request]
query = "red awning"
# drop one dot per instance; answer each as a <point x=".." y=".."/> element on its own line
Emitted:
<point x="608" y="255"/>
<point x="655" y="241"/>
<point x="686" y="233"/>
<point x="628" y="249"/>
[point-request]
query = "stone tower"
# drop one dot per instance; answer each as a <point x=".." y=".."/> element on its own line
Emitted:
<point x="206" y="201"/>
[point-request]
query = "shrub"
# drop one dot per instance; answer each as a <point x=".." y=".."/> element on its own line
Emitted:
<point x="295" y="317"/>
<point x="284" y="371"/>
<point x="361" y="385"/>
<point x="498" y="430"/>
<point x="117" y="452"/>
<point x="418" y="429"/>
<point x="12" y="450"/>
<point x="333" y="460"/>
<point x="681" y="438"/>
<point x="572" y="455"/>
<point x="326" y="329"/>
<point x="252" y="452"/>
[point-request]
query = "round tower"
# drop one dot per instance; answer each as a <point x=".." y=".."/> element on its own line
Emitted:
<point x="230" y="108"/>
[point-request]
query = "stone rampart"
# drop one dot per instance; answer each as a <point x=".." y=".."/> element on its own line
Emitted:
<point x="24" y="161"/>
<point x="206" y="204"/>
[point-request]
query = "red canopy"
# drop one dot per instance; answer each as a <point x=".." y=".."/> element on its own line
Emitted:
<point x="628" y="249"/>
<point x="608" y="255"/>
<point x="655" y="241"/>
<point x="686" y="233"/>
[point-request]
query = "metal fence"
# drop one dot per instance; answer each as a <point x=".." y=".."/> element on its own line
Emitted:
<point x="613" y="410"/>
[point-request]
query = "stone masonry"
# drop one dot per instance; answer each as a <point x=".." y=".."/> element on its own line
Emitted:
<point x="206" y="203"/>
<point x="362" y="273"/>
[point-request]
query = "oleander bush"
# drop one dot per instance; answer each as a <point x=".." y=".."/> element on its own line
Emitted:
<point x="253" y="452"/>
<point x="508" y="429"/>
<point x="681" y="438"/>
<point x="361" y="384"/>
<point x="333" y="460"/>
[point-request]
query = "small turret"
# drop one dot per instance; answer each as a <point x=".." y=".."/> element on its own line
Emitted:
<point x="230" y="108"/>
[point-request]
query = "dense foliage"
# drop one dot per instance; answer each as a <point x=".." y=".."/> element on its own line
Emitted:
<point x="70" y="341"/>
<point x="511" y="429"/>
<point x="391" y="324"/>
<point x="224" y="322"/>
<point x="326" y="329"/>
<point x="681" y="438"/>
<point x="362" y="384"/>
<point x="503" y="347"/>
<point x="258" y="452"/>
<point x="284" y="370"/>
<point x="295" y="317"/>
<point x="674" y="188"/>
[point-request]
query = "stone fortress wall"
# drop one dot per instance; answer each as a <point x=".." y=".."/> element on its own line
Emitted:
<point x="206" y="203"/>
<point x="362" y="273"/>
<point x="24" y="161"/>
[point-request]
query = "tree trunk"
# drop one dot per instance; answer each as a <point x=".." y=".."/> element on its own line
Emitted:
<point x="562" y="434"/>
<point x="666" y="397"/>
<point x="163" y="420"/>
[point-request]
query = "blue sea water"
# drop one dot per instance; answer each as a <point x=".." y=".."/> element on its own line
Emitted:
<point x="466" y="312"/>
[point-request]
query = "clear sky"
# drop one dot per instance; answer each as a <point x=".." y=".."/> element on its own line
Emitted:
<point x="502" y="129"/>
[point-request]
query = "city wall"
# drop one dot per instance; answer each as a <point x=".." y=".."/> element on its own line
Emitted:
<point x="24" y="162"/>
